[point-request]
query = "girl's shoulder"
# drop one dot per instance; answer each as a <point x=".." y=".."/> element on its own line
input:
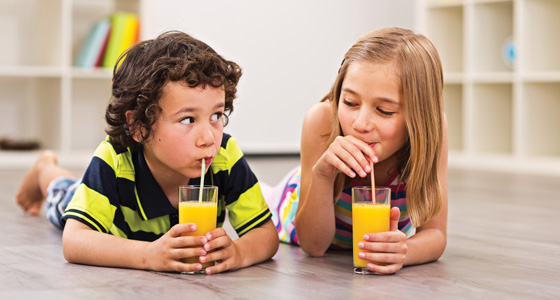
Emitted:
<point x="318" y="115"/>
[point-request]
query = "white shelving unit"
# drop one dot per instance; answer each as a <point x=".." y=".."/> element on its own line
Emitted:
<point x="42" y="96"/>
<point x="501" y="116"/>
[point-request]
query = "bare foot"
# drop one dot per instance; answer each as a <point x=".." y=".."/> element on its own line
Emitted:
<point x="29" y="196"/>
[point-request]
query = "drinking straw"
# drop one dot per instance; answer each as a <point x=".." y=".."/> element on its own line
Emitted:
<point x="372" y="183"/>
<point x="202" y="168"/>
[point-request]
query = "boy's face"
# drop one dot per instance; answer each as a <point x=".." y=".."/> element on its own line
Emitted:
<point x="189" y="129"/>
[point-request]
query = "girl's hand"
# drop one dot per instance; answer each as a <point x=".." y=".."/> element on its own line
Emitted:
<point x="220" y="248"/>
<point x="348" y="155"/>
<point x="165" y="253"/>
<point x="389" y="248"/>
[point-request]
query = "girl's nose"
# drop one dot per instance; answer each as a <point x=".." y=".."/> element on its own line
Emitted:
<point x="364" y="121"/>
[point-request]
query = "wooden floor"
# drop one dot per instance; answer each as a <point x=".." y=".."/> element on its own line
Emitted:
<point x="503" y="243"/>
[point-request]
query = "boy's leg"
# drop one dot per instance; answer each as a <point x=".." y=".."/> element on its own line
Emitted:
<point x="33" y="189"/>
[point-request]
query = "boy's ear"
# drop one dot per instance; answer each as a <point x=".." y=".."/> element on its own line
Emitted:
<point x="136" y="134"/>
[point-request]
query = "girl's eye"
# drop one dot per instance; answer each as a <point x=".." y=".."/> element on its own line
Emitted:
<point x="348" y="103"/>
<point x="187" y="120"/>
<point x="217" y="116"/>
<point x="387" y="113"/>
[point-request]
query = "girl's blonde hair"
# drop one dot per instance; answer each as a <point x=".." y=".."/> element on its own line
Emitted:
<point x="419" y="69"/>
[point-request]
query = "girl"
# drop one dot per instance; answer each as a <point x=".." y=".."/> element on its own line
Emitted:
<point x="385" y="107"/>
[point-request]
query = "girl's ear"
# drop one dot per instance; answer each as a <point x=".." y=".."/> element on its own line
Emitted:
<point x="136" y="134"/>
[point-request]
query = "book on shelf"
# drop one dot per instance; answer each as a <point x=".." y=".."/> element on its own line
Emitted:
<point x="124" y="34"/>
<point x="108" y="39"/>
<point x="93" y="48"/>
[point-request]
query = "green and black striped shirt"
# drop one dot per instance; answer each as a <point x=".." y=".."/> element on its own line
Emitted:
<point x="119" y="195"/>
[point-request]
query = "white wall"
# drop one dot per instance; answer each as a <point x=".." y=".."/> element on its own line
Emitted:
<point x="289" y="51"/>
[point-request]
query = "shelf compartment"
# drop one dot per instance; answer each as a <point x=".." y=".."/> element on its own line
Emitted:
<point x="493" y="28"/>
<point x="31" y="110"/>
<point x="492" y="118"/>
<point x="40" y="19"/>
<point x="89" y="100"/>
<point x="541" y="38"/>
<point x="445" y="25"/>
<point x="453" y="106"/>
<point x="541" y="123"/>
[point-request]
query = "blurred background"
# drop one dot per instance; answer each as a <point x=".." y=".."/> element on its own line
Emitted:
<point x="502" y="71"/>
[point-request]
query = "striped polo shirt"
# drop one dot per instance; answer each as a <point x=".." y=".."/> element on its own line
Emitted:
<point x="120" y="196"/>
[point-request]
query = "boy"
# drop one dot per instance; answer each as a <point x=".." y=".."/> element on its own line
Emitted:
<point x="170" y="101"/>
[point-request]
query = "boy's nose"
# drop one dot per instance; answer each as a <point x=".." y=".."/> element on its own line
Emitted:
<point x="205" y="137"/>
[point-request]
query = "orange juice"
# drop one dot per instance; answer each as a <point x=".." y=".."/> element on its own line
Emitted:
<point x="367" y="218"/>
<point x="204" y="215"/>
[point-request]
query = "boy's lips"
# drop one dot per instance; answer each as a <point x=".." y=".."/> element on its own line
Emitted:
<point x="207" y="160"/>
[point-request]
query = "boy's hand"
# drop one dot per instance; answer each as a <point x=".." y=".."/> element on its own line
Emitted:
<point x="389" y="248"/>
<point x="165" y="253"/>
<point x="222" y="249"/>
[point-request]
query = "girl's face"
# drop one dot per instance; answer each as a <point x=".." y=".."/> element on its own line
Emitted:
<point x="370" y="107"/>
<point x="189" y="129"/>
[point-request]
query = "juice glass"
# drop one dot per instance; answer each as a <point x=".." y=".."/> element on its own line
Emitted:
<point x="201" y="209"/>
<point x="370" y="214"/>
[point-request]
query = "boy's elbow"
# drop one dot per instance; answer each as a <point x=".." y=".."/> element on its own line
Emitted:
<point x="67" y="251"/>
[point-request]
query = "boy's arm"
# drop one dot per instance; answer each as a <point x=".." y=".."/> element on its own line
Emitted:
<point x="257" y="245"/>
<point x="83" y="245"/>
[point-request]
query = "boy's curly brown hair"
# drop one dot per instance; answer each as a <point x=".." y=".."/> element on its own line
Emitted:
<point x="145" y="70"/>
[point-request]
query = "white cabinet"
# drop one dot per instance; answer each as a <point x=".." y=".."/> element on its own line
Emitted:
<point x="42" y="96"/>
<point x="502" y="114"/>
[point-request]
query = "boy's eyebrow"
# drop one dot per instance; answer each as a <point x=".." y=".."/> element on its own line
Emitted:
<point x="191" y="109"/>
<point x="390" y="101"/>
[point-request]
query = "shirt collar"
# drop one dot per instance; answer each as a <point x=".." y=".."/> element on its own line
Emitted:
<point x="152" y="200"/>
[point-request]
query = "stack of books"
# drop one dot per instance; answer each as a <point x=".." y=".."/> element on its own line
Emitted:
<point x="108" y="39"/>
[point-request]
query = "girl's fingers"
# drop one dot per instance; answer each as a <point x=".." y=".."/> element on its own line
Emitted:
<point x="335" y="161"/>
<point x="395" y="215"/>
<point x="350" y="156"/>
<point x="384" y="269"/>
<point x="367" y="151"/>
<point x="383" y="258"/>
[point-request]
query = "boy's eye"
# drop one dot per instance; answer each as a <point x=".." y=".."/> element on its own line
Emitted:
<point x="217" y="116"/>
<point x="187" y="120"/>
<point x="387" y="113"/>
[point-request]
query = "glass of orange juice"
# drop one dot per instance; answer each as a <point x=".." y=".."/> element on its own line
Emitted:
<point x="201" y="209"/>
<point x="370" y="214"/>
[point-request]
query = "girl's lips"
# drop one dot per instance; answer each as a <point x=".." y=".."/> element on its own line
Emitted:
<point x="372" y="144"/>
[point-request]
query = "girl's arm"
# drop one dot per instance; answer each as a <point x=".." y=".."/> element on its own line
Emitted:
<point x="83" y="245"/>
<point x="320" y="164"/>
<point x="315" y="221"/>
<point x="430" y="239"/>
